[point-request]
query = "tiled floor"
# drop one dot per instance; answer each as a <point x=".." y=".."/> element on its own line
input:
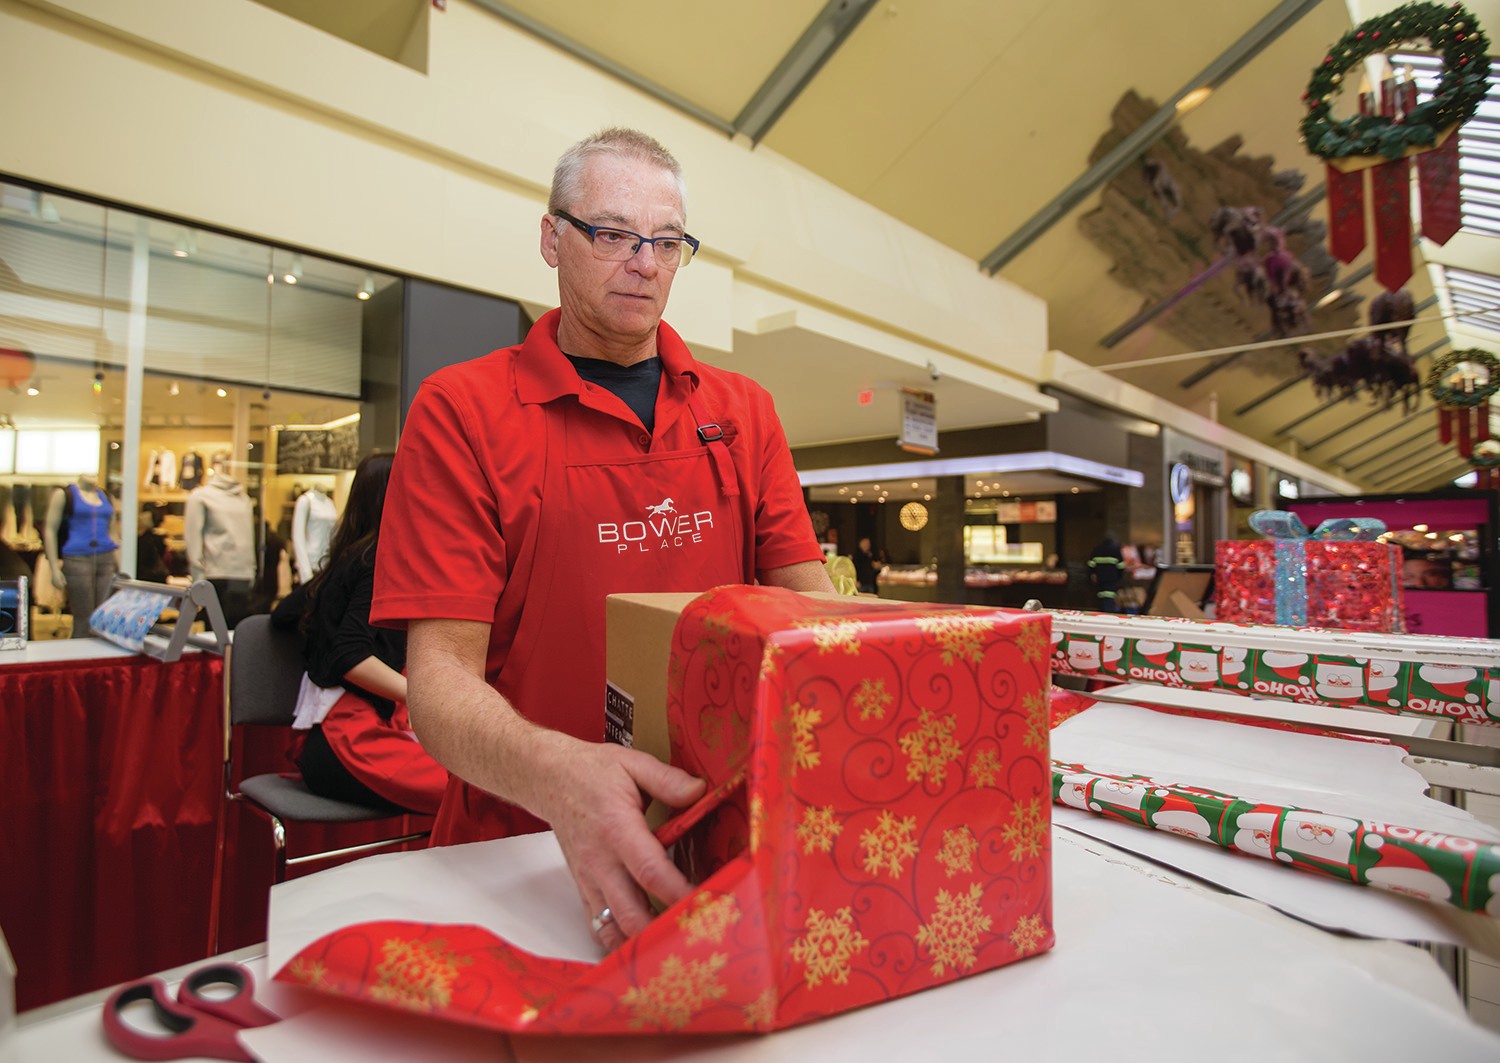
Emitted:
<point x="1484" y="971"/>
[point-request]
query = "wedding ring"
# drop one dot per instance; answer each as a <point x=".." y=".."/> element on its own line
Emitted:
<point x="602" y="920"/>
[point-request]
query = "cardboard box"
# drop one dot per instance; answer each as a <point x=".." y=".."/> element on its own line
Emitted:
<point x="637" y="648"/>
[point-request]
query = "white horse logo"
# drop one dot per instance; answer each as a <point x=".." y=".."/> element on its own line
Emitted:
<point x="666" y="508"/>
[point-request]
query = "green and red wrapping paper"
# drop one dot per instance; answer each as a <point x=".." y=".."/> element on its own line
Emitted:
<point x="1336" y="576"/>
<point x="878" y="823"/>
<point x="1459" y="871"/>
<point x="1411" y="675"/>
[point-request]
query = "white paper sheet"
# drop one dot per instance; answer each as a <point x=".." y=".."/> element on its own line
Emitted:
<point x="1146" y="967"/>
<point x="521" y="890"/>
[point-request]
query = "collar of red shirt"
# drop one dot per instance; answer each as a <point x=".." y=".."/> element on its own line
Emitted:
<point x="543" y="372"/>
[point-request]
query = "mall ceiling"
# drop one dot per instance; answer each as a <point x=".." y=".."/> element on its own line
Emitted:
<point x="980" y="123"/>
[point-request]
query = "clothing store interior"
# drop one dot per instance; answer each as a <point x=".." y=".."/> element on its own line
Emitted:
<point x="1131" y="362"/>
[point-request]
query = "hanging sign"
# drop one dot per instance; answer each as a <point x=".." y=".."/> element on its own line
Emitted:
<point x="918" y="422"/>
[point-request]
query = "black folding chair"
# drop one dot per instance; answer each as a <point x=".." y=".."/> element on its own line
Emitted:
<point x="262" y="674"/>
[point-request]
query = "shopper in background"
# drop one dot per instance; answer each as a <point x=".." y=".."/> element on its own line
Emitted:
<point x="1106" y="570"/>
<point x="358" y="744"/>
<point x="865" y="566"/>
<point x="518" y="489"/>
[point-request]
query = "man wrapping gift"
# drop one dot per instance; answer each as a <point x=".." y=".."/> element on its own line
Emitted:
<point x="596" y="457"/>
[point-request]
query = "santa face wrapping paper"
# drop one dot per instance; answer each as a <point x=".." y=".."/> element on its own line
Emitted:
<point x="1335" y="576"/>
<point x="878" y="823"/>
<point x="1440" y="867"/>
<point x="1451" y="678"/>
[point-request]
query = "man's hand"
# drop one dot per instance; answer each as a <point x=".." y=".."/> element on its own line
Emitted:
<point x="595" y="807"/>
<point x="591" y="793"/>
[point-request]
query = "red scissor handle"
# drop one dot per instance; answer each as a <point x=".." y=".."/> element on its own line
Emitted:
<point x="193" y="1033"/>
<point x="240" y="1009"/>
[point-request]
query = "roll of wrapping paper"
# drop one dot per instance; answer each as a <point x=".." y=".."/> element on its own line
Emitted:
<point x="1459" y="871"/>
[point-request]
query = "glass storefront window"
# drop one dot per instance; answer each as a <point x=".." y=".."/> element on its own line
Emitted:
<point x="147" y="352"/>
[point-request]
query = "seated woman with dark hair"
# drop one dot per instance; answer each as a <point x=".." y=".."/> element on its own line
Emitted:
<point x="359" y="745"/>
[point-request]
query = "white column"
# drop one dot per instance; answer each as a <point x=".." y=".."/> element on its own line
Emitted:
<point x="135" y="382"/>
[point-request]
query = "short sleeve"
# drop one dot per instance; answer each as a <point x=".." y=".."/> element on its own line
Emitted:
<point x="441" y="555"/>
<point x="783" y="529"/>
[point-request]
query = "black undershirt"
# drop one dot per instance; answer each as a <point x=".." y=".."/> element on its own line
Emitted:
<point x="635" y="385"/>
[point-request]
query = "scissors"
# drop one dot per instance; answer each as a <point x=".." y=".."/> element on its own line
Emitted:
<point x="197" y="1025"/>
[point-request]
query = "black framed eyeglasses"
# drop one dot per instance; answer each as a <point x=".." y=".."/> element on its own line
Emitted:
<point x="617" y="245"/>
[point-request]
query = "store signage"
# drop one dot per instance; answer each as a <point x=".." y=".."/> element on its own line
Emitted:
<point x="1242" y="482"/>
<point x="1039" y="512"/>
<point x="1204" y="469"/>
<point x="918" y="422"/>
<point x="1180" y="481"/>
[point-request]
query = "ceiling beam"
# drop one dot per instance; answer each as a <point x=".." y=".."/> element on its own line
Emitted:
<point x="1415" y="457"/>
<point x="1260" y="36"/>
<point x="800" y="65"/>
<point x="1421" y="467"/>
<point x="1404" y="441"/>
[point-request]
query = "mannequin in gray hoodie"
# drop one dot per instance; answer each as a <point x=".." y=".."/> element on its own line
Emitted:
<point x="219" y="526"/>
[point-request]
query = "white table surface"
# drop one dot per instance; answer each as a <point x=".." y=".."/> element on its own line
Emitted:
<point x="52" y="651"/>
<point x="1149" y="965"/>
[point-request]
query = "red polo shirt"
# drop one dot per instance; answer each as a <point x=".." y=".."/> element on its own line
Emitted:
<point x="465" y="494"/>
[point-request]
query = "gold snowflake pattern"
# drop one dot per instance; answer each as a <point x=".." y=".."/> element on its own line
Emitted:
<point x="952" y="934"/>
<point x="722" y="723"/>
<point x="418" y="975"/>
<point x="872" y="699"/>
<point x="1028" y="934"/>
<point x="678" y="992"/>
<point x="957" y="853"/>
<point x="710" y="918"/>
<point x="830" y="633"/>
<point x="770" y="660"/>
<point x="309" y="973"/>
<point x="960" y="636"/>
<point x="1033" y="642"/>
<point x="799" y="744"/>
<point x="827" y="945"/>
<point x="931" y="746"/>
<point x="1035" y="707"/>
<point x="890" y="844"/>
<point x="1026" y="830"/>
<point x="985" y="770"/>
<point x="760" y="1013"/>
<point x="818" y="829"/>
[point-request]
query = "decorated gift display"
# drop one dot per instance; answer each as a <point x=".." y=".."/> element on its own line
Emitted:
<point x="1336" y="576"/>
<point x="877" y="824"/>
<point x="1408" y="674"/>
<point x="1388" y="130"/>
<point x="1437" y="867"/>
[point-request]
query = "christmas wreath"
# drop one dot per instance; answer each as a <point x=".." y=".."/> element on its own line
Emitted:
<point x="1446" y="381"/>
<point x="1452" y="32"/>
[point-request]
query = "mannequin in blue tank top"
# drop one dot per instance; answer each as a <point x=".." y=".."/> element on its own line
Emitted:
<point x="83" y="561"/>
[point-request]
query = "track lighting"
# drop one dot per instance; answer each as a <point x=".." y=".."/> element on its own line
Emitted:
<point x="369" y="288"/>
<point x="295" y="273"/>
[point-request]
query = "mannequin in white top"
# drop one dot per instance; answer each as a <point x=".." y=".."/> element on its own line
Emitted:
<point x="313" y="520"/>
<point x="218" y="524"/>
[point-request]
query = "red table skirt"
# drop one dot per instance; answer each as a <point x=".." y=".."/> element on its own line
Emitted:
<point x="111" y="782"/>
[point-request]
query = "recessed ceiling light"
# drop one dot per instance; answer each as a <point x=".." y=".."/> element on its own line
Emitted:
<point x="221" y="393"/>
<point x="33" y="390"/>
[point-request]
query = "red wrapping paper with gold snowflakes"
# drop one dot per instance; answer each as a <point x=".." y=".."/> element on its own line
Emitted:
<point x="878" y="823"/>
